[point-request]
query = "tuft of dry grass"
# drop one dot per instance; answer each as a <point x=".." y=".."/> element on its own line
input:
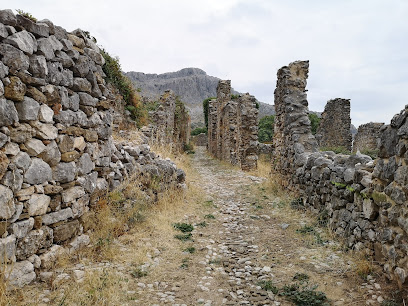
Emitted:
<point x="264" y="167"/>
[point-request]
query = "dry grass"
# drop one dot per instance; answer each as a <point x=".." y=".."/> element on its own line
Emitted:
<point x="264" y="167"/>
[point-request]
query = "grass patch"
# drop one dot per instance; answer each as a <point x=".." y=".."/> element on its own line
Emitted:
<point x="310" y="230"/>
<point x="209" y="216"/>
<point x="183" y="227"/>
<point x="202" y="224"/>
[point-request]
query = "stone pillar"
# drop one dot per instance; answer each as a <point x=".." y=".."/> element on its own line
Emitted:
<point x="223" y="97"/>
<point x="293" y="135"/>
<point x="248" y="146"/>
<point x="334" y="129"/>
<point x="368" y="137"/>
<point x="212" y="126"/>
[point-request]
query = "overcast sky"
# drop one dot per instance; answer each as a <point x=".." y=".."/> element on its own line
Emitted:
<point x="357" y="49"/>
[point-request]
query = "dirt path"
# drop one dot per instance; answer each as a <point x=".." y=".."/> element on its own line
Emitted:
<point x="252" y="248"/>
<point x="248" y="247"/>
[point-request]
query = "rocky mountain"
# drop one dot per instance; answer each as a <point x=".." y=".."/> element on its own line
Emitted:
<point x="193" y="85"/>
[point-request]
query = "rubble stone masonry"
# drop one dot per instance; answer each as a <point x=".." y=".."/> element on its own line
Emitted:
<point x="368" y="137"/>
<point x="57" y="154"/>
<point x="363" y="200"/>
<point x="232" y="127"/>
<point x="334" y="128"/>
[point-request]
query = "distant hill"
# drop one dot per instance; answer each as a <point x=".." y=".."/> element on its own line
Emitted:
<point x="193" y="85"/>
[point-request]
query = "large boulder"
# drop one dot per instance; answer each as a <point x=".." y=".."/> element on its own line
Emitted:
<point x="20" y="274"/>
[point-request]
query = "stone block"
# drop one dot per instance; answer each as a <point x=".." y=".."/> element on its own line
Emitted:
<point x="7" y="206"/>
<point x="72" y="194"/>
<point x="66" y="231"/>
<point x="61" y="215"/>
<point x="35" y="240"/>
<point x="38" y="172"/>
<point x="27" y="109"/>
<point x="21" y="229"/>
<point x="20" y="274"/>
<point x="8" y="113"/>
<point x="51" y="154"/>
<point x="24" y="41"/>
<point x="38" y="204"/>
<point x="34" y="147"/>
<point x="7" y="249"/>
<point x="14" y="89"/>
<point x="64" y="172"/>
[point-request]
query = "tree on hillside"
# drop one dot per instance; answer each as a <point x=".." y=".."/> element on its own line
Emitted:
<point x="315" y="122"/>
<point x="265" y="128"/>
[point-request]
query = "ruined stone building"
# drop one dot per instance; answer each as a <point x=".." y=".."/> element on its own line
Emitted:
<point x="364" y="200"/>
<point x="169" y="123"/>
<point x="368" y="137"/>
<point x="232" y="127"/>
<point x="334" y="129"/>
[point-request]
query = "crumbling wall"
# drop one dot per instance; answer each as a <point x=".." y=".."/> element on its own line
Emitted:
<point x="368" y="137"/>
<point x="200" y="140"/>
<point x="169" y="123"/>
<point x="57" y="155"/>
<point x="334" y="128"/>
<point x="362" y="200"/>
<point x="232" y="127"/>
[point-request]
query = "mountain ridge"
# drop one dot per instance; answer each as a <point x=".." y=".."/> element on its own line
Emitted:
<point x="193" y="85"/>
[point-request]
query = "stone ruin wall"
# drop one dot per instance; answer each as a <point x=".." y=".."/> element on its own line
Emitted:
<point x="334" y="128"/>
<point x="233" y="128"/>
<point x="170" y="123"/>
<point x="365" y="200"/>
<point x="57" y="155"/>
<point x="368" y="137"/>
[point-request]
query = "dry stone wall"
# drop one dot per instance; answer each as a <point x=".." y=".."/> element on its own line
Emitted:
<point x="232" y="127"/>
<point x="363" y="200"/>
<point x="169" y="123"/>
<point x="57" y="154"/>
<point x="334" y="128"/>
<point x="368" y="137"/>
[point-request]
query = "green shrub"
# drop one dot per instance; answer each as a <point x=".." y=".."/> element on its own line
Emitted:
<point x="198" y="131"/>
<point x="234" y="97"/>
<point x="268" y="286"/>
<point x="183" y="227"/>
<point x="26" y="15"/>
<point x="266" y="128"/>
<point x="183" y="237"/>
<point x="190" y="250"/>
<point x="114" y="75"/>
<point x="304" y="295"/>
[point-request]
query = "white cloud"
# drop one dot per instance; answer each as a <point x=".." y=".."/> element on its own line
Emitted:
<point x="357" y="49"/>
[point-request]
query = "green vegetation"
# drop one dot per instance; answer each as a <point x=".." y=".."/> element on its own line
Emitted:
<point x="114" y="75"/>
<point x="202" y="224"/>
<point x="190" y="250"/>
<point x="184" y="263"/>
<point x="183" y="237"/>
<point x="309" y="229"/>
<point x="314" y="122"/>
<point x="297" y="204"/>
<point x="198" y="131"/>
<point x="337" y="150"/>
<point x="268" y="286"/>
<point x="209" y="216"/>
<point x="234" y="97"/>
<point x="138" y="273"/>
<point x="372" y="153"/>
<point x="302" y="294"/>
<point x="266" y="128"/>
<point x="257" y="105"/>
<point x="205" y="110"/>
<point x="26" y="15"/>
<point x="183" y="227"/>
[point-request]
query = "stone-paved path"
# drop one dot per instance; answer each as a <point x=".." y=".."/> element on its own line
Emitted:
<point x="250" y="242"/>
<point x="244" y="237"/>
